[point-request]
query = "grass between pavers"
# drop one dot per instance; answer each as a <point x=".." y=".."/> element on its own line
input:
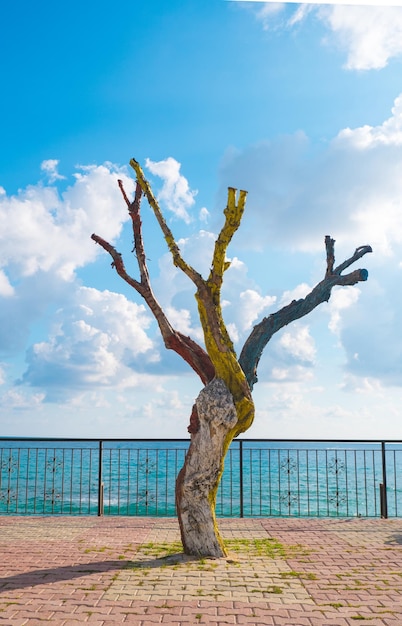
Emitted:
<point x="154" y="563"/>
<point x="268" y="547"/>
<point x="161" y="556"/>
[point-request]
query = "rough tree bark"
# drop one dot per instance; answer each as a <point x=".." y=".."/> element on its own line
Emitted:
<point x="198" y="480"/>
<point x="224" y="407"/>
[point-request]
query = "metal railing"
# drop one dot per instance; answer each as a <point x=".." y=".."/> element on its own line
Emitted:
<point x="261" y="477"/>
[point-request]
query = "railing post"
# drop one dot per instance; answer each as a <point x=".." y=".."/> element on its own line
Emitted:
<point x="241" y="477"/>
<point x="383" y="485"/>
<point x="100" y="483"/>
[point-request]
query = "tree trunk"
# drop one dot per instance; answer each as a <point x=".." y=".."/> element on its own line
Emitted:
<point x="214" y="417"/>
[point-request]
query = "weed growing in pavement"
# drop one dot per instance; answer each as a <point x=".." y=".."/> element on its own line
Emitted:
<point x="293" y="574"/>
<point x="274" y="589"/>
<point x="268" y="547"/>
<point x="97" y="549"/>
<point x="161" y="550"/>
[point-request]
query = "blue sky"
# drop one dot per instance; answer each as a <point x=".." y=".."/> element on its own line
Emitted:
<point x="301" y="105"/>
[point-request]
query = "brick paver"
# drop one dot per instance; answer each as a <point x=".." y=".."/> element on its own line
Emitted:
<point x="106" y="571"/>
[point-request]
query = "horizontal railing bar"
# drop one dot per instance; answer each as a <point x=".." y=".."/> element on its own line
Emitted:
<point x="187" y="440"/>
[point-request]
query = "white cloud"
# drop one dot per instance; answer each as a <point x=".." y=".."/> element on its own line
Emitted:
<point x="98" y="339"/>
<point x="268" y="11"/>
<point x="370" y="329"/>
<point x="363" y="385"/>
<point x="181" y="320"/>
<point x="13" y="399"/>
<point x="350" y="189"/>
<point x="6" y="289"/>
<point x="297" y="293"/>
<point x="50" y="168"/>
<point x="370" y="35"/>
<point x="294" y="373"/>
<point x="300" y="409"/>
<point x="173" y="288"/>
<point x="341" y="299"/>
<point x="253" y="305"/>
<point x="42" y="230"/>
<point x="289" y="357"/>
<point x="387" y="134"/>
<point x="175" y="193"/>
<point x="298" y="343"/>
<point x="33" y="300"/>
<point x="204" y="214"/>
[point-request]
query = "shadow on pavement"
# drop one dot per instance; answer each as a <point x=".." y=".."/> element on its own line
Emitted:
<point x="71" y="572"/>
<point x="58" y="574"/>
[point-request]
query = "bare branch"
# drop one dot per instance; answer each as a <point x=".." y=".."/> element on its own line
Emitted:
<point x="233" y="214"/>
<point x="262" y="332"/>
<point x="134" y="212"/>
<point x="217" y="340"/>
<point x="167" y="233"/>
<point x="118" y="263"/>
<point x="358" y="253"/>
<point x="188" y="349"/>
<point x="120" y="183"/>
<point x="330" y="245"/>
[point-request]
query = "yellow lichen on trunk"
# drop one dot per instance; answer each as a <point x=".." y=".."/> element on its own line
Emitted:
<point x="233" y="214"/>
<point x="217" y="340"/>
<point x="228" y="369"/>
<point x="218" y="343"/>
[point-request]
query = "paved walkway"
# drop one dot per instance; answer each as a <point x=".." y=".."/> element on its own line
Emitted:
<point x="281" y="572"/>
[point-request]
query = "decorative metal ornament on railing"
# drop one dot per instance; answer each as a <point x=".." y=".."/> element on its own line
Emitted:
<point x="147" y="466"/>
<point x="52" y="496"/>
<point x="53" y="464"/>
<point x="336" y="466"/>
<point x="146" y="497"/>
<point x="288" y="499"/>
<point x="8" y="496"/>
<point x="9" y="465"/>
<point x="338" y="499"/>
<point x="289" y="465"/>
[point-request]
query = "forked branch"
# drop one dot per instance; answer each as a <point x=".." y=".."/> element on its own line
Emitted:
<point x="217" y="339"/>
<point x="233" y="215"/>
<point x="167" y="233"/>
<point x="188" y="349"/>
<point x="262" y="332"/>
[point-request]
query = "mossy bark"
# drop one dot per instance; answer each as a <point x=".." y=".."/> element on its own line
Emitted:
<point x="212" y="423"/>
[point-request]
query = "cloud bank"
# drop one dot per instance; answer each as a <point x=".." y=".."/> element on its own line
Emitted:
<point x="350" y="189"/>
<point x="42" y="229"/>
<point x="369" y="36"/>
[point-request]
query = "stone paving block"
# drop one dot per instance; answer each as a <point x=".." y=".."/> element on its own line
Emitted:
<point x="205" y="610"/>
<point x="74" y="622"/>
<point x="247" y="619"/>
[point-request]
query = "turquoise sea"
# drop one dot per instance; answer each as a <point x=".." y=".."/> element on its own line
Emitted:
<point x="261" y="478"/>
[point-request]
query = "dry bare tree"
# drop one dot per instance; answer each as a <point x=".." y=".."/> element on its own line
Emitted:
<point x="224" y="408"/>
